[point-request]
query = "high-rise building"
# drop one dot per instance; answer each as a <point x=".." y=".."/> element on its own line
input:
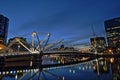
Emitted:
<point x="112" y="28"/>
<point x="4" y="21"/>
<point x="98" y="43"/>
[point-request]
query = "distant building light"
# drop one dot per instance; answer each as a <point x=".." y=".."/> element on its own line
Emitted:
<point x="0" y="48"/>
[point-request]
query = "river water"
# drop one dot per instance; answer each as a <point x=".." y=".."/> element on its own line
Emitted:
<point x="96" y="69"/>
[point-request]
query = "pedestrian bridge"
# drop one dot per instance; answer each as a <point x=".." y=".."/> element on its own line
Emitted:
<point x="37" y="46"/>
<point x="62" y="53"/>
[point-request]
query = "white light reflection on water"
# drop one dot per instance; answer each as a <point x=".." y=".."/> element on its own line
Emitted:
<point x="83" y="71"/>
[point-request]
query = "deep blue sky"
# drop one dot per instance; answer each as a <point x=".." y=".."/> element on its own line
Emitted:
<point x="62" y="18"/>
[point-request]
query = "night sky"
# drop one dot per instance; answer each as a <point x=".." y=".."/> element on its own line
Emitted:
<point x="66" y="19"/>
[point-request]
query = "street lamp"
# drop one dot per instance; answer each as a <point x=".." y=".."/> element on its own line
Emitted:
<point x="18" y="48"/>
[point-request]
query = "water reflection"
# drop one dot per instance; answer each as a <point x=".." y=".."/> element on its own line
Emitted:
<point x="109" y="67"/>
<point x="115" y="67"/>
<point x="97" y="69"/>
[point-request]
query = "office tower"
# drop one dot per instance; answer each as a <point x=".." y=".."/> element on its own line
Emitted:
<point x="4" y="21"/>
<point x="112" y="28"/>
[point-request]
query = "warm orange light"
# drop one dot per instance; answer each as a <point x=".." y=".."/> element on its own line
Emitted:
<point x="0" y="48"/>
<point x="111" y="60"/>
<point x="110" y="50"/>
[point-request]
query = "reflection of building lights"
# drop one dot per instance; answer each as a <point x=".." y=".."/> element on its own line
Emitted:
<point x="17" y="71"/>
<point x="11" y="72"/>
<point x="73" y="71"/>
<point x="83" y="68"/>
<point x="7" y="72"/>
<point x="16" y="77"/>
<point x="31" y="63"/>
<point x="35" y="70"/>
<point x="26" y="70"/>
<point x="70" y="70"/>
<point x="14" y="72"/>
<point x="102" y="63"/>
<point x="63" y="78"/>
<point x="89" y="67"/>
<point x="32" y="70"/>
<point x="63" y="62"/>
<point x="110" y="51"/>
<point x="86" y="67"/>
<point x="111" y="60"/>
<point x="0" y="48"/>
<point x="20" y="71"/>
<point x="3" y="73"/>
<point x="94" y="67"/>
<point x="23" y="70"/>
<point x="79" y="68"/>
<point x="58" y="61"/>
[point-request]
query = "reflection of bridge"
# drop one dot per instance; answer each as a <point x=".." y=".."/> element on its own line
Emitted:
<point x="17" y="64"/>
<point x="15" y="71"/>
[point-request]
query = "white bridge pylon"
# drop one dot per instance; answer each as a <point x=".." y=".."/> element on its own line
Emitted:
<point x="39" y="47"/>
<point x="36" y="45"/>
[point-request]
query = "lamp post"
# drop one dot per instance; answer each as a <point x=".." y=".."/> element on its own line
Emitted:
<point x="18" y="48"/>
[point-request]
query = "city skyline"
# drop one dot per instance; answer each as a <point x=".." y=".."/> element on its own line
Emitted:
<point x="65" y="19"/>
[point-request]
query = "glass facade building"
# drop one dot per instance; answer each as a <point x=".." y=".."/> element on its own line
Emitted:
<point x="112" y="28"/>
<point x="4" y="21"/>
